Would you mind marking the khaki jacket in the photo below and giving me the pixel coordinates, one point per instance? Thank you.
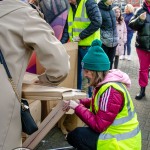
(22, 30)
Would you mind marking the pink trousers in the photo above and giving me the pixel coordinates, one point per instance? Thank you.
(144, 60)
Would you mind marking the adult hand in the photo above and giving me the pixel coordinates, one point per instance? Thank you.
(76, 39)
(143, 16)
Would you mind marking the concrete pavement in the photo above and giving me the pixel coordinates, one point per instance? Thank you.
(56, 139)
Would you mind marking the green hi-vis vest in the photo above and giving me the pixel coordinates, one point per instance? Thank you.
(79, 23)
(124, 132)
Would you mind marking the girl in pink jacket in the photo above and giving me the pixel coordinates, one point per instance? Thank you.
(122, 34)
(96, 67)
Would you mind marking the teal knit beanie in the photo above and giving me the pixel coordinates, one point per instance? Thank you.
(96, 59)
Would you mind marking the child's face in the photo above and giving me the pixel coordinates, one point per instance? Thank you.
(88, 74)
(117, 12)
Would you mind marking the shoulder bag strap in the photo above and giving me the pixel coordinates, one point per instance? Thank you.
(2, 61)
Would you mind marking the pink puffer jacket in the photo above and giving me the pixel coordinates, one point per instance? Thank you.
(111, 103)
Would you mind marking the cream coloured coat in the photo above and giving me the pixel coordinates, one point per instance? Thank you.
(122, 35)
(21, 31)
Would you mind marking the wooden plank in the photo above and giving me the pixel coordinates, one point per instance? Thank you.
(47, 124)
(66, 95)
(42, 98)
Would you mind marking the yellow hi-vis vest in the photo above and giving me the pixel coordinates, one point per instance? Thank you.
(124, 132)
(79, 23)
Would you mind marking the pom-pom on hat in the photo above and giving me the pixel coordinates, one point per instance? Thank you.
(96, 59)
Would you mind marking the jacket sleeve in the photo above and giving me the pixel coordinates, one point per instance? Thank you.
(111, 103)
(39, 36)
(65, 35)
(124, 32)
(86, 102)
(135, 22)
(94, 15)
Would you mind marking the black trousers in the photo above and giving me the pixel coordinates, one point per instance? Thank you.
(83, 138)
(116, 62)
(110, 51)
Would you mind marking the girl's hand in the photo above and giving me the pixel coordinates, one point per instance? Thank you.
(69, 104)
(73, 104)
(66, 106)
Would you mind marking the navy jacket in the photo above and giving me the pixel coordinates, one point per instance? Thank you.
(127, 18)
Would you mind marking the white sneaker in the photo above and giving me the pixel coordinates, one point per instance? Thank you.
(122, 57)
(128, 57)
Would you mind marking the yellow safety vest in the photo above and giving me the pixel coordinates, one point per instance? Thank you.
(124, 132)
(79, 23)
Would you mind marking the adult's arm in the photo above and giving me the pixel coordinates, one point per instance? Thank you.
(135, 22)
(38, 35)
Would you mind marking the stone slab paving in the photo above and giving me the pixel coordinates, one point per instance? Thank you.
(56, 139)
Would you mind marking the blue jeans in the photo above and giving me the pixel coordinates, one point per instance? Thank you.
(82, 50)
(127, 45)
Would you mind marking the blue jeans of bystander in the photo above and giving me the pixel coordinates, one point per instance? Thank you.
(127, 45)
(82, 50)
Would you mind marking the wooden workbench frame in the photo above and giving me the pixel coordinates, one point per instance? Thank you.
(52, 118)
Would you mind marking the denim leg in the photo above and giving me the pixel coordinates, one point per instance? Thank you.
(81, 53)
(90, 91)
(129, 38)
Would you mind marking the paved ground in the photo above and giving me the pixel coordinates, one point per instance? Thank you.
(56, 139)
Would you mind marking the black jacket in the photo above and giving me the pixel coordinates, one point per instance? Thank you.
(142, 28)
(94, 16)
(108, 28)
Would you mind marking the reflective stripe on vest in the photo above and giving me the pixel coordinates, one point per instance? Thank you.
(120, 136)
(130, 113)
(79, 23)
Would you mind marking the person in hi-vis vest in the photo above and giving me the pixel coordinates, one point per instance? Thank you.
(109, 115)
(82, 26)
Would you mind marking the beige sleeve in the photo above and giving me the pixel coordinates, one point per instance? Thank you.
(37, 34)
